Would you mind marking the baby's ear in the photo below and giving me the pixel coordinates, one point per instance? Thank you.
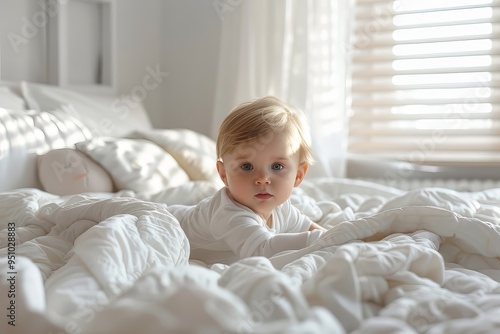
(301, 173)
(221, 169)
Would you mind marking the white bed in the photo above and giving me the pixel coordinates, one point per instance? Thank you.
(105, 256)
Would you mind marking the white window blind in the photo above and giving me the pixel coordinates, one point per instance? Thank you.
(425, 81)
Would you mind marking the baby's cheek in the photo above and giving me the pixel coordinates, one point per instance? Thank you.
(286, 175)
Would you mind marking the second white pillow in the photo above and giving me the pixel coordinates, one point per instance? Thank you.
(135, 164)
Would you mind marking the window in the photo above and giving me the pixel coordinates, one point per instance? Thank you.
(425, 80)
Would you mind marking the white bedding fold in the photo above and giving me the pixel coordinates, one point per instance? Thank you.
(96, 249)
(427, 260)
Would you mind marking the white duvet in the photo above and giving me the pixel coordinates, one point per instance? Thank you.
(424, 261)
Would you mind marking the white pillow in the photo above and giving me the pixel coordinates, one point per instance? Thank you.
(194, 151)
(135, 164)
(10, 99)
(67, 171)
(24, 135)
(103, 115)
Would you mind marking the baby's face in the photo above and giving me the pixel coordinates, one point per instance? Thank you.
(262, 174)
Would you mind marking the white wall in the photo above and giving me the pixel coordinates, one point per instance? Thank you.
(22, 43)
(190, 50)
(139, 52)
(178, 37)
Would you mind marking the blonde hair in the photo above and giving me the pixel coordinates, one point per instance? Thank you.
(251, 121)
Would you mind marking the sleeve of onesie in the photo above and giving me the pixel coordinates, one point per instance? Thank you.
(292, 219)
(244, 234)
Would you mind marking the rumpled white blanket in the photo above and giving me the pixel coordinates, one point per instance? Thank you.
(425, 261)
(80, 253)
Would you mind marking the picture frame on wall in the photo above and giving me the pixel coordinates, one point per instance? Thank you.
(81, 45)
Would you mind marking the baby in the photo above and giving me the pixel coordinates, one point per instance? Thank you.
(263, 152)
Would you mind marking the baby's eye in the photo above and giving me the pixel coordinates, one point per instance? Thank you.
(246, 167)
(277, 166)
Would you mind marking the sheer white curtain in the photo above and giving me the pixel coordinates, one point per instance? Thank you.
(296, 50)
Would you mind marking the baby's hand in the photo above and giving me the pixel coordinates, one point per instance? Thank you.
(315, 226)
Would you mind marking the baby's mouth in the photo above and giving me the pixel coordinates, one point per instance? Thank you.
(263, 196)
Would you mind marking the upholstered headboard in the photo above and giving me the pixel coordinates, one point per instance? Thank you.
(37, 118)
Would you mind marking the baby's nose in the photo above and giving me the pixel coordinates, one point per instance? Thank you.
(262, 178)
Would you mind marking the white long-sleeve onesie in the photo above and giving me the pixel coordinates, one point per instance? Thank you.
(221, 230)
